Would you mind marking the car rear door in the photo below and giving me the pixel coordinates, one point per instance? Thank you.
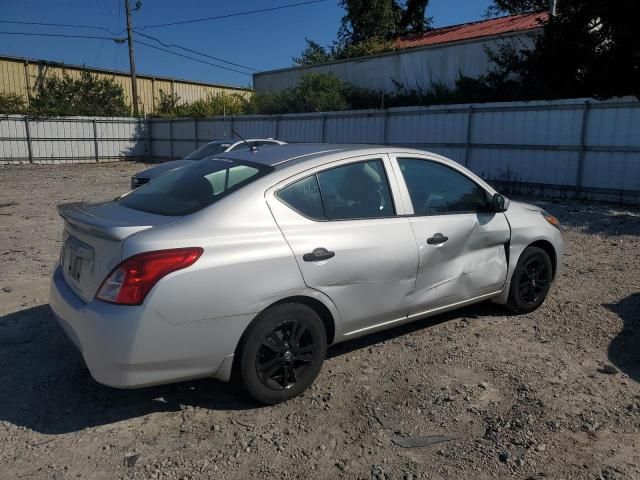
(341, 224)
(462, 243)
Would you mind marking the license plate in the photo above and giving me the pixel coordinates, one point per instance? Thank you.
(75, 257)
(74, 266)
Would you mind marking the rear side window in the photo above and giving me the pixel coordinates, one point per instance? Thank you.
(436, 189)
(349, 192)
(304, 197)
(189, 189)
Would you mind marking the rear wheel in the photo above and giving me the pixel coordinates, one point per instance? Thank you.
(282, 353)
(531, 281)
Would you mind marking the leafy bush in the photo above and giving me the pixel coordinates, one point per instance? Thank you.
(87, 95)
(221, 104)
(11, 103)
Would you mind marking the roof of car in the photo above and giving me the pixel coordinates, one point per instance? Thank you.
(233, 141)
(293, 153)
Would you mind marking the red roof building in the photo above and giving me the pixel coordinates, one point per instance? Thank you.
(417, 62)
(475, 30)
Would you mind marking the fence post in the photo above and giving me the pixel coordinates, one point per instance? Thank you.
(467, 150)
(385, 128)
(277, 133)
(196, 133)
(171, 137)
(28, 133)
(583, 145)
(95, 139)
(147, 139)
(324, 128)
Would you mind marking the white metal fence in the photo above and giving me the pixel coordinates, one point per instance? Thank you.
(72, 139)
(575, 148)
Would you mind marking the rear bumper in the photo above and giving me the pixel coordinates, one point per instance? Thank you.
(129, 347)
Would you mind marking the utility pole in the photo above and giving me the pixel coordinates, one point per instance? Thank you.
(132, 61)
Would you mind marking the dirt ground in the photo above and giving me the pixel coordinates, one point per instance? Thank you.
(551, 395)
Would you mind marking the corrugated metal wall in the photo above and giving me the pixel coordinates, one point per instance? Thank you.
(580, 148)
(414, 68)
(23, 77)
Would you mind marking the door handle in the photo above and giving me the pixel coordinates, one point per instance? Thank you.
(437, 239)
(318, 255)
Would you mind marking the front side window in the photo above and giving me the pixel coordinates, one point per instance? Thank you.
(189, 189)
(436, 189)
(349, 192)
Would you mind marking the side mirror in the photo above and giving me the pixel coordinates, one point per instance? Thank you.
(500, 203)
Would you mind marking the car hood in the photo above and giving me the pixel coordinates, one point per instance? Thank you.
(163, 168)
(527, 206)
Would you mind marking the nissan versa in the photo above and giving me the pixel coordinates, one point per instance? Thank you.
(249, 264)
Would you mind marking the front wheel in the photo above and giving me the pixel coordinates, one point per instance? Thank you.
(531, 281)
(282, 353)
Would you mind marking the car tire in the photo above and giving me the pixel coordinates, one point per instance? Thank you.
(531, 281)
(281, 353)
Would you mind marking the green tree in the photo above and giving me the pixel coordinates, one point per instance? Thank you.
(590, 49)
(314, 54)
(87, 95)
(368, 27)
(514, 7)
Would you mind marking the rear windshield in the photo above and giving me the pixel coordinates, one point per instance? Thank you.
(189, 189)
(207, 151)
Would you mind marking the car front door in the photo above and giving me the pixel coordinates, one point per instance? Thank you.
(341, 224)
(462, 242)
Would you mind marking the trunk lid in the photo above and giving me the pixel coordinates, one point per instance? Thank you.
(92, 241)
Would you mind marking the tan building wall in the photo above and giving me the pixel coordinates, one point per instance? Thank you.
(22, 76)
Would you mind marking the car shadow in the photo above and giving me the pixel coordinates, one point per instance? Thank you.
(479, 310)
(624, 350)
(46, 387)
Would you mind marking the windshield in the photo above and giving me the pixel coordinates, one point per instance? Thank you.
(189, 189)
(208, 150)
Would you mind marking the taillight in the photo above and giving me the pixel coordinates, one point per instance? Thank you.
(131, 281)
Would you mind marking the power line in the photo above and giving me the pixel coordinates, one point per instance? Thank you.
(249, 12)
(191, 58)
(122, 40)
(66, 25)
(62, 35)
(169, 45)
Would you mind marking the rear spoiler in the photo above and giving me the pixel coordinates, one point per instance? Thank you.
(78, 215)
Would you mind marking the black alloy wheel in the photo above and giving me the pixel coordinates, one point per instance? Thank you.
(531, 280)
(281, 353)
(534, 280)
(285, 355)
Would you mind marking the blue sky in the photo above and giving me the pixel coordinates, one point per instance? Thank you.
(262, 41)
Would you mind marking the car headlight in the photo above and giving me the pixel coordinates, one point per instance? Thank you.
(551, 219)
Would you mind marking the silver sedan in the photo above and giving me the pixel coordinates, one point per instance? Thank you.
(250, 264)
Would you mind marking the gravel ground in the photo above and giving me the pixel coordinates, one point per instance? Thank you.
(554, 394)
